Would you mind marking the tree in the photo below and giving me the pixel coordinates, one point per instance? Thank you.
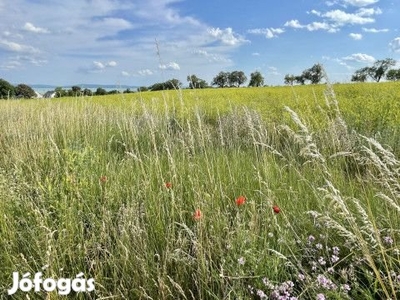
(112, 92)
(256, 79)
(236, 78)
(289, 79)
(221, 80)
(60, 92)
(7, 90)
(100, 92)
(360, 75)
(157, 87)
(196, 83)
(87, 92)
(24, 91)
(300, 79)
(142, 89)
(172, 84)
(380, 67)
(376, 72)
(314, 74)
(393, 75)
(76, 90)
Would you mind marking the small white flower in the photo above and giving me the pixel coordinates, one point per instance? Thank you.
(241, 261)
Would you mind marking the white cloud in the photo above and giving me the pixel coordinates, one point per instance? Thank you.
(111, 64)
(360, 57)
(315, 12)
(269, 33)
(312, 26)
(341, 18)
(15, 47)
(83, 36)
(333, 20)
(320, 26)
(97, 65)
(293, 24)
(113, 24)
(10, 65)
(374, 30)
(30, 27)
(125, 74)
(145, 72)
(200, 52)
(211, 57)
(273, 71)
(360, 3)
(161, 11)
(367, 12)
(227, 36)
(170, 66)
(37, 61)
(356, 36)
(255, 54)
(22, 61)
(395, 45)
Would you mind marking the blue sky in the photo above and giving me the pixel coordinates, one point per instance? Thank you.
(133, 42)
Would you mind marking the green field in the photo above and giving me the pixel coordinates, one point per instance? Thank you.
(141, 192)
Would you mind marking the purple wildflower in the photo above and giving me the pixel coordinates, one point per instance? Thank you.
(334, 258)
(261, 294)
(388, 240)
(335, 250)
(311, 239)
(320, 297)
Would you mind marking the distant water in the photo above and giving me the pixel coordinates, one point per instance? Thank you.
(43, 89)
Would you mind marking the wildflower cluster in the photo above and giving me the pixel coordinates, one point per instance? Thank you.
(277, 291)
(321, 268)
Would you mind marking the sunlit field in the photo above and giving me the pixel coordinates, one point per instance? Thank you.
(242, 193)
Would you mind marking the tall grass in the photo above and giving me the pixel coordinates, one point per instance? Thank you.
(113, 190)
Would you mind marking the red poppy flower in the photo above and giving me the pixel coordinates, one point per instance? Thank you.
(276, 209)
(197, 214)
(168, 185)
(240, 200)
(103, 179)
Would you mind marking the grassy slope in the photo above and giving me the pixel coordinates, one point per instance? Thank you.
(138, 239)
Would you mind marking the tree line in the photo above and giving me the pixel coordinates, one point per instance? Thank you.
(313, 75)
(380, 69)
(221, 80)
(8, 91)
(75, 91)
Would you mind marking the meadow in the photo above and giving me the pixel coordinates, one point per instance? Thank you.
(240, 193)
